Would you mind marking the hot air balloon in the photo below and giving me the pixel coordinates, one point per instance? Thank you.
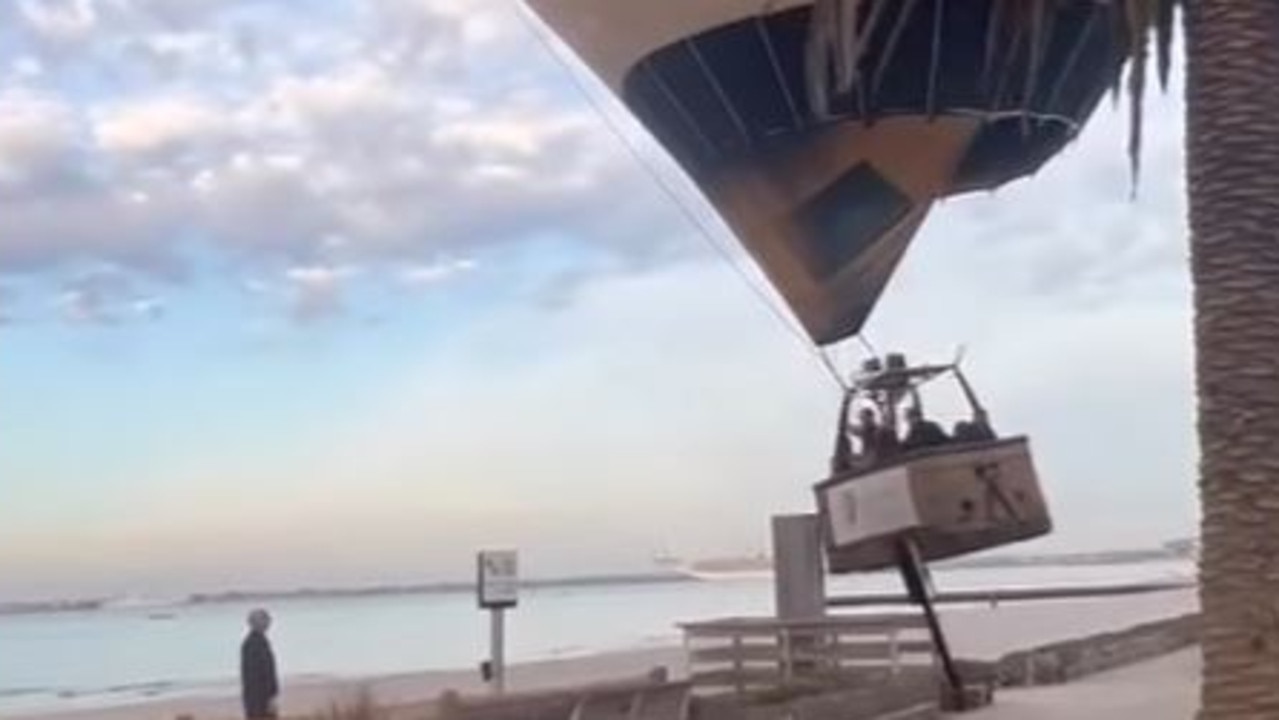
(823, 132)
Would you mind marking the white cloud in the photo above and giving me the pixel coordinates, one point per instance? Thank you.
(412, 34)
(158, 125)
(315, 291)
(106, 297)
(172, 13)
(148, 308)
(434, 273)
(353, 98)
(23, 69)
(318, 140)
(60, 20)
(37, 138)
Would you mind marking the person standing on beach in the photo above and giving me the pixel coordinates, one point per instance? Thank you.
(258, 682)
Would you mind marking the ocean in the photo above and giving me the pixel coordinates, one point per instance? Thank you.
(129, 654)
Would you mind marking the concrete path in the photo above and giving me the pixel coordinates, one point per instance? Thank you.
(1166, 688)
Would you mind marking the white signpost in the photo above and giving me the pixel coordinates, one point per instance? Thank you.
(497, 588)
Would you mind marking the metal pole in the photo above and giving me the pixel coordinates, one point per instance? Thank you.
(497, 650)
(919, 586)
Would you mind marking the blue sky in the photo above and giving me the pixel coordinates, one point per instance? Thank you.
(340, 296)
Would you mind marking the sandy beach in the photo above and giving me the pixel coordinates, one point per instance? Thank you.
(1166, 688)
(311, 696)
(975, 632)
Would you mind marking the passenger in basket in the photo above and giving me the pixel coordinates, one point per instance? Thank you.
(922, 432)
(878, 442)
(976, 430)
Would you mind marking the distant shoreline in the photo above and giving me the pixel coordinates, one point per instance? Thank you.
(1120, 557)
(1115, 557)
(240, 596)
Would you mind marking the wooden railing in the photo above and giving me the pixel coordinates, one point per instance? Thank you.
(748, 654)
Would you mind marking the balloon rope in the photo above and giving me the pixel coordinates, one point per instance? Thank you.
(698, 224)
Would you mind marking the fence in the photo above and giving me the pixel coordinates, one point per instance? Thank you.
(749, 654)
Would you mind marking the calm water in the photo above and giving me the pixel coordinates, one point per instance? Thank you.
(121, 655)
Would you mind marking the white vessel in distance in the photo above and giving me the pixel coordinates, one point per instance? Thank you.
(743, 567)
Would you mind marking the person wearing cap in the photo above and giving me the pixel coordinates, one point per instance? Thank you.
(258, 682)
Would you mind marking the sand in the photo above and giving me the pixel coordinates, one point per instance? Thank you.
(979, 633)
(307, 697)
(1166, 688)
(989, 633)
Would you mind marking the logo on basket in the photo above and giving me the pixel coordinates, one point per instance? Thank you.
(996, 500)
(850, 506)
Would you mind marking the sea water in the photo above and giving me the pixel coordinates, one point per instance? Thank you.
(116, 655)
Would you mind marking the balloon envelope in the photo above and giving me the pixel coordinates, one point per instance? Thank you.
(824, 134)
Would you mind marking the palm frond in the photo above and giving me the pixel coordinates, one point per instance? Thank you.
(1164, 19)
(1140, 21)
(1017, 38)
(1118, 13)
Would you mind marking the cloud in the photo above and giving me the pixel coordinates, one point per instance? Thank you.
(434, 273)
(38, 143)
(424, 129)
(391, 124)
(59, 20)
(413, 33)
(106, 297)
(22, 70)
(153, 126)
(315, 292)
(172, 13)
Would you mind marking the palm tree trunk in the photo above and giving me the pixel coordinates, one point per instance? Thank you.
(1232, 97)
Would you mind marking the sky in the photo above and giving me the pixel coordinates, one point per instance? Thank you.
(341, 296)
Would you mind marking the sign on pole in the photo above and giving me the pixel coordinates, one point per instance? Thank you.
(498, 583)
(497, 588)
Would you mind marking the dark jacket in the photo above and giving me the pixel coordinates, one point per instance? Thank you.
(924, 433)
(884, 443)
(258, 682)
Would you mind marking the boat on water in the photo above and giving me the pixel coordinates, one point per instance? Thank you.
(744, 567)
(155, 605)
